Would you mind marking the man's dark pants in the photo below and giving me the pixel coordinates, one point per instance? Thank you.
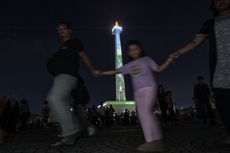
(205, 110)
(223, 105)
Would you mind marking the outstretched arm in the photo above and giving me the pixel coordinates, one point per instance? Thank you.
(86, 59)
(111, 72)
(165, 65)
(196, 42)
(124, 70)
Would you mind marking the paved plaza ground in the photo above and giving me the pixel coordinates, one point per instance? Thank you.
(186, 137)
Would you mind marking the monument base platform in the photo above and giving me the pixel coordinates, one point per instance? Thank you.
(120, 106)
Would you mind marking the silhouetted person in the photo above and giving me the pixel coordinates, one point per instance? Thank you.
(202, 96)
(107, 112)
(38, 123)
(111, 111)
(11, 113)
(133, 118)
(162, 102)
(171, 105)
(45, 114)
(94, 115)
(24, 114)
(126, 117)
(101, 112)
(117, 118)
(16, 115)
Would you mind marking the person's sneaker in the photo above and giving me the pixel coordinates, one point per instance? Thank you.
(227, 141)
(91, 130)
(156, 146)
(62, 142)
(59, 136)
(66, 141)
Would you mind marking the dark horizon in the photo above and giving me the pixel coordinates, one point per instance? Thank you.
(28, 38)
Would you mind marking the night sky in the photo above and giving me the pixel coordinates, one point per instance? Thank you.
(28, 37)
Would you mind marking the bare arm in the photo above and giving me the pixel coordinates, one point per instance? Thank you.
(196, 42)
(85, 57)
(111, 72)
(165, 65)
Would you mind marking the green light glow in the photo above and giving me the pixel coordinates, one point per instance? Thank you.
(120, 82)
(120, 106)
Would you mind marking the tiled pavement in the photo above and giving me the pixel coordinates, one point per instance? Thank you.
(187, 137)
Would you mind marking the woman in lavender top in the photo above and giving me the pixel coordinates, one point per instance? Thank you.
(141, 69)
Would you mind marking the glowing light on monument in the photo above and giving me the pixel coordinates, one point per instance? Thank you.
(120, 83)
(120, 104)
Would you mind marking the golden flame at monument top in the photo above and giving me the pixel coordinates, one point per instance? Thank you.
(116, 24)
(116, 28)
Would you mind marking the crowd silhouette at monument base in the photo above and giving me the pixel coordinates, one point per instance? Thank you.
(16, 117)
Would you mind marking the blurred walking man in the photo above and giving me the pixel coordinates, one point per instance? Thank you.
(64, 66)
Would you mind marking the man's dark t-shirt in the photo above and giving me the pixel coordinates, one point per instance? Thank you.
(66, 60)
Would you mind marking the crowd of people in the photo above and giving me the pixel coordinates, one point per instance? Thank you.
(18, 117)
(107, 117)
(14, 115)
(166, 104)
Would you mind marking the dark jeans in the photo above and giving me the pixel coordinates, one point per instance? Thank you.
(223, 105)
(24, 120)
(205, 110)
(172, 114)
(163, 109)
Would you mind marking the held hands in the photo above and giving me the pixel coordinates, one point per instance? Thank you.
(97, 73)
(175, 55)
(172, 57)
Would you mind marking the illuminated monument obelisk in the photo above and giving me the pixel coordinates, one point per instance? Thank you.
(120, 83)
(121, 103)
